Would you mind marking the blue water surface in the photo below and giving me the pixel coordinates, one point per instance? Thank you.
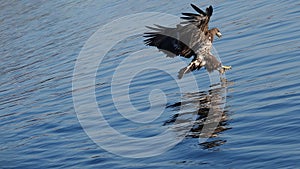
(40, 44)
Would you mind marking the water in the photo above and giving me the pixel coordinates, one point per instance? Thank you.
(40, 42)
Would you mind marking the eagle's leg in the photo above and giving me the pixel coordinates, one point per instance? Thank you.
(195, 64)
(224, 68)
(184, 71)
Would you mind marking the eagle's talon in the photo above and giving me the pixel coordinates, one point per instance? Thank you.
(226, 67)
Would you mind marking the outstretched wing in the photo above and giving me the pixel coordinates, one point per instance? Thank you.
(183, 40)
(172, 41)
(200, 20)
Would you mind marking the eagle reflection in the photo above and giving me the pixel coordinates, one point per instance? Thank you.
(210, 117)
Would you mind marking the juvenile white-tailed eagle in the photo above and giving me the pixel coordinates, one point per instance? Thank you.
(190, 38)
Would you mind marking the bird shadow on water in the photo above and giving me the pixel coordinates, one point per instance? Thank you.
(209, 119)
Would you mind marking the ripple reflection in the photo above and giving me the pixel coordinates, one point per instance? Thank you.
(203, 102)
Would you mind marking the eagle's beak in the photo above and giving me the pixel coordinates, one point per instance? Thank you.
(219, 34)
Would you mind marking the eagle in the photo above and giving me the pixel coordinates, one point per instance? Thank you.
(190, 38)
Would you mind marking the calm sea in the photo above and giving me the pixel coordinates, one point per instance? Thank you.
(47, 123)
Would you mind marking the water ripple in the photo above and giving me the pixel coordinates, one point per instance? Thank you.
(40, 42)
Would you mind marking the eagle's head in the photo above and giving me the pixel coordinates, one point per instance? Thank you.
(217, 32)
(213, 32)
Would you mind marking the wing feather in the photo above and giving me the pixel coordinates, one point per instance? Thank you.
(201, 19)
(198, 9)
(171, 41)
